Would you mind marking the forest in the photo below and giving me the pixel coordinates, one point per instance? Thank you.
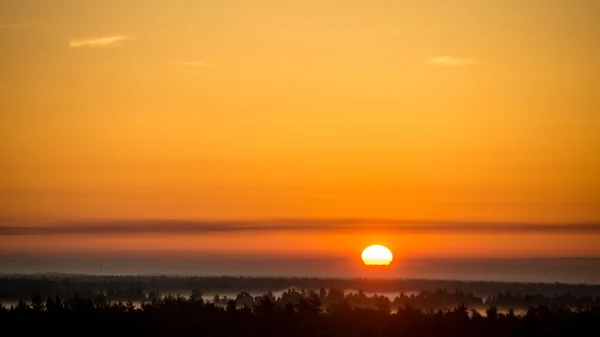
(79, 305)
(295, 313)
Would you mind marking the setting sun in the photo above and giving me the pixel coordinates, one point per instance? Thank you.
(377, 255)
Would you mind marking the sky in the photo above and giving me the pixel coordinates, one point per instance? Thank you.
(118, 114)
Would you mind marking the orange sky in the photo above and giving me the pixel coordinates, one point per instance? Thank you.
(419, 110)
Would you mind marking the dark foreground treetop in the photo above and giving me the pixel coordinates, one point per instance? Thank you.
(265, 317)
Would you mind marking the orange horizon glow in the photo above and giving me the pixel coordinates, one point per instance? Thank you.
(432, 111)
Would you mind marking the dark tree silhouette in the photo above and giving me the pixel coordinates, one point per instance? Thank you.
(273, 316)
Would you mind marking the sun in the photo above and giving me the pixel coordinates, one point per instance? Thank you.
(377, 255)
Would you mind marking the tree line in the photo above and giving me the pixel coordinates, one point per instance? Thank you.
(295, 313)
(432, 294)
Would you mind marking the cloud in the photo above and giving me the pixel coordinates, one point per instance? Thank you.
(112, 227)
(197, 64)
(449, 61)
(104, 41)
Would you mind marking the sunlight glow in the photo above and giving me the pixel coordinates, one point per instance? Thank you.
(377, 255)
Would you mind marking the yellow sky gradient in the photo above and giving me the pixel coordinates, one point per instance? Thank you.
(426, 110)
